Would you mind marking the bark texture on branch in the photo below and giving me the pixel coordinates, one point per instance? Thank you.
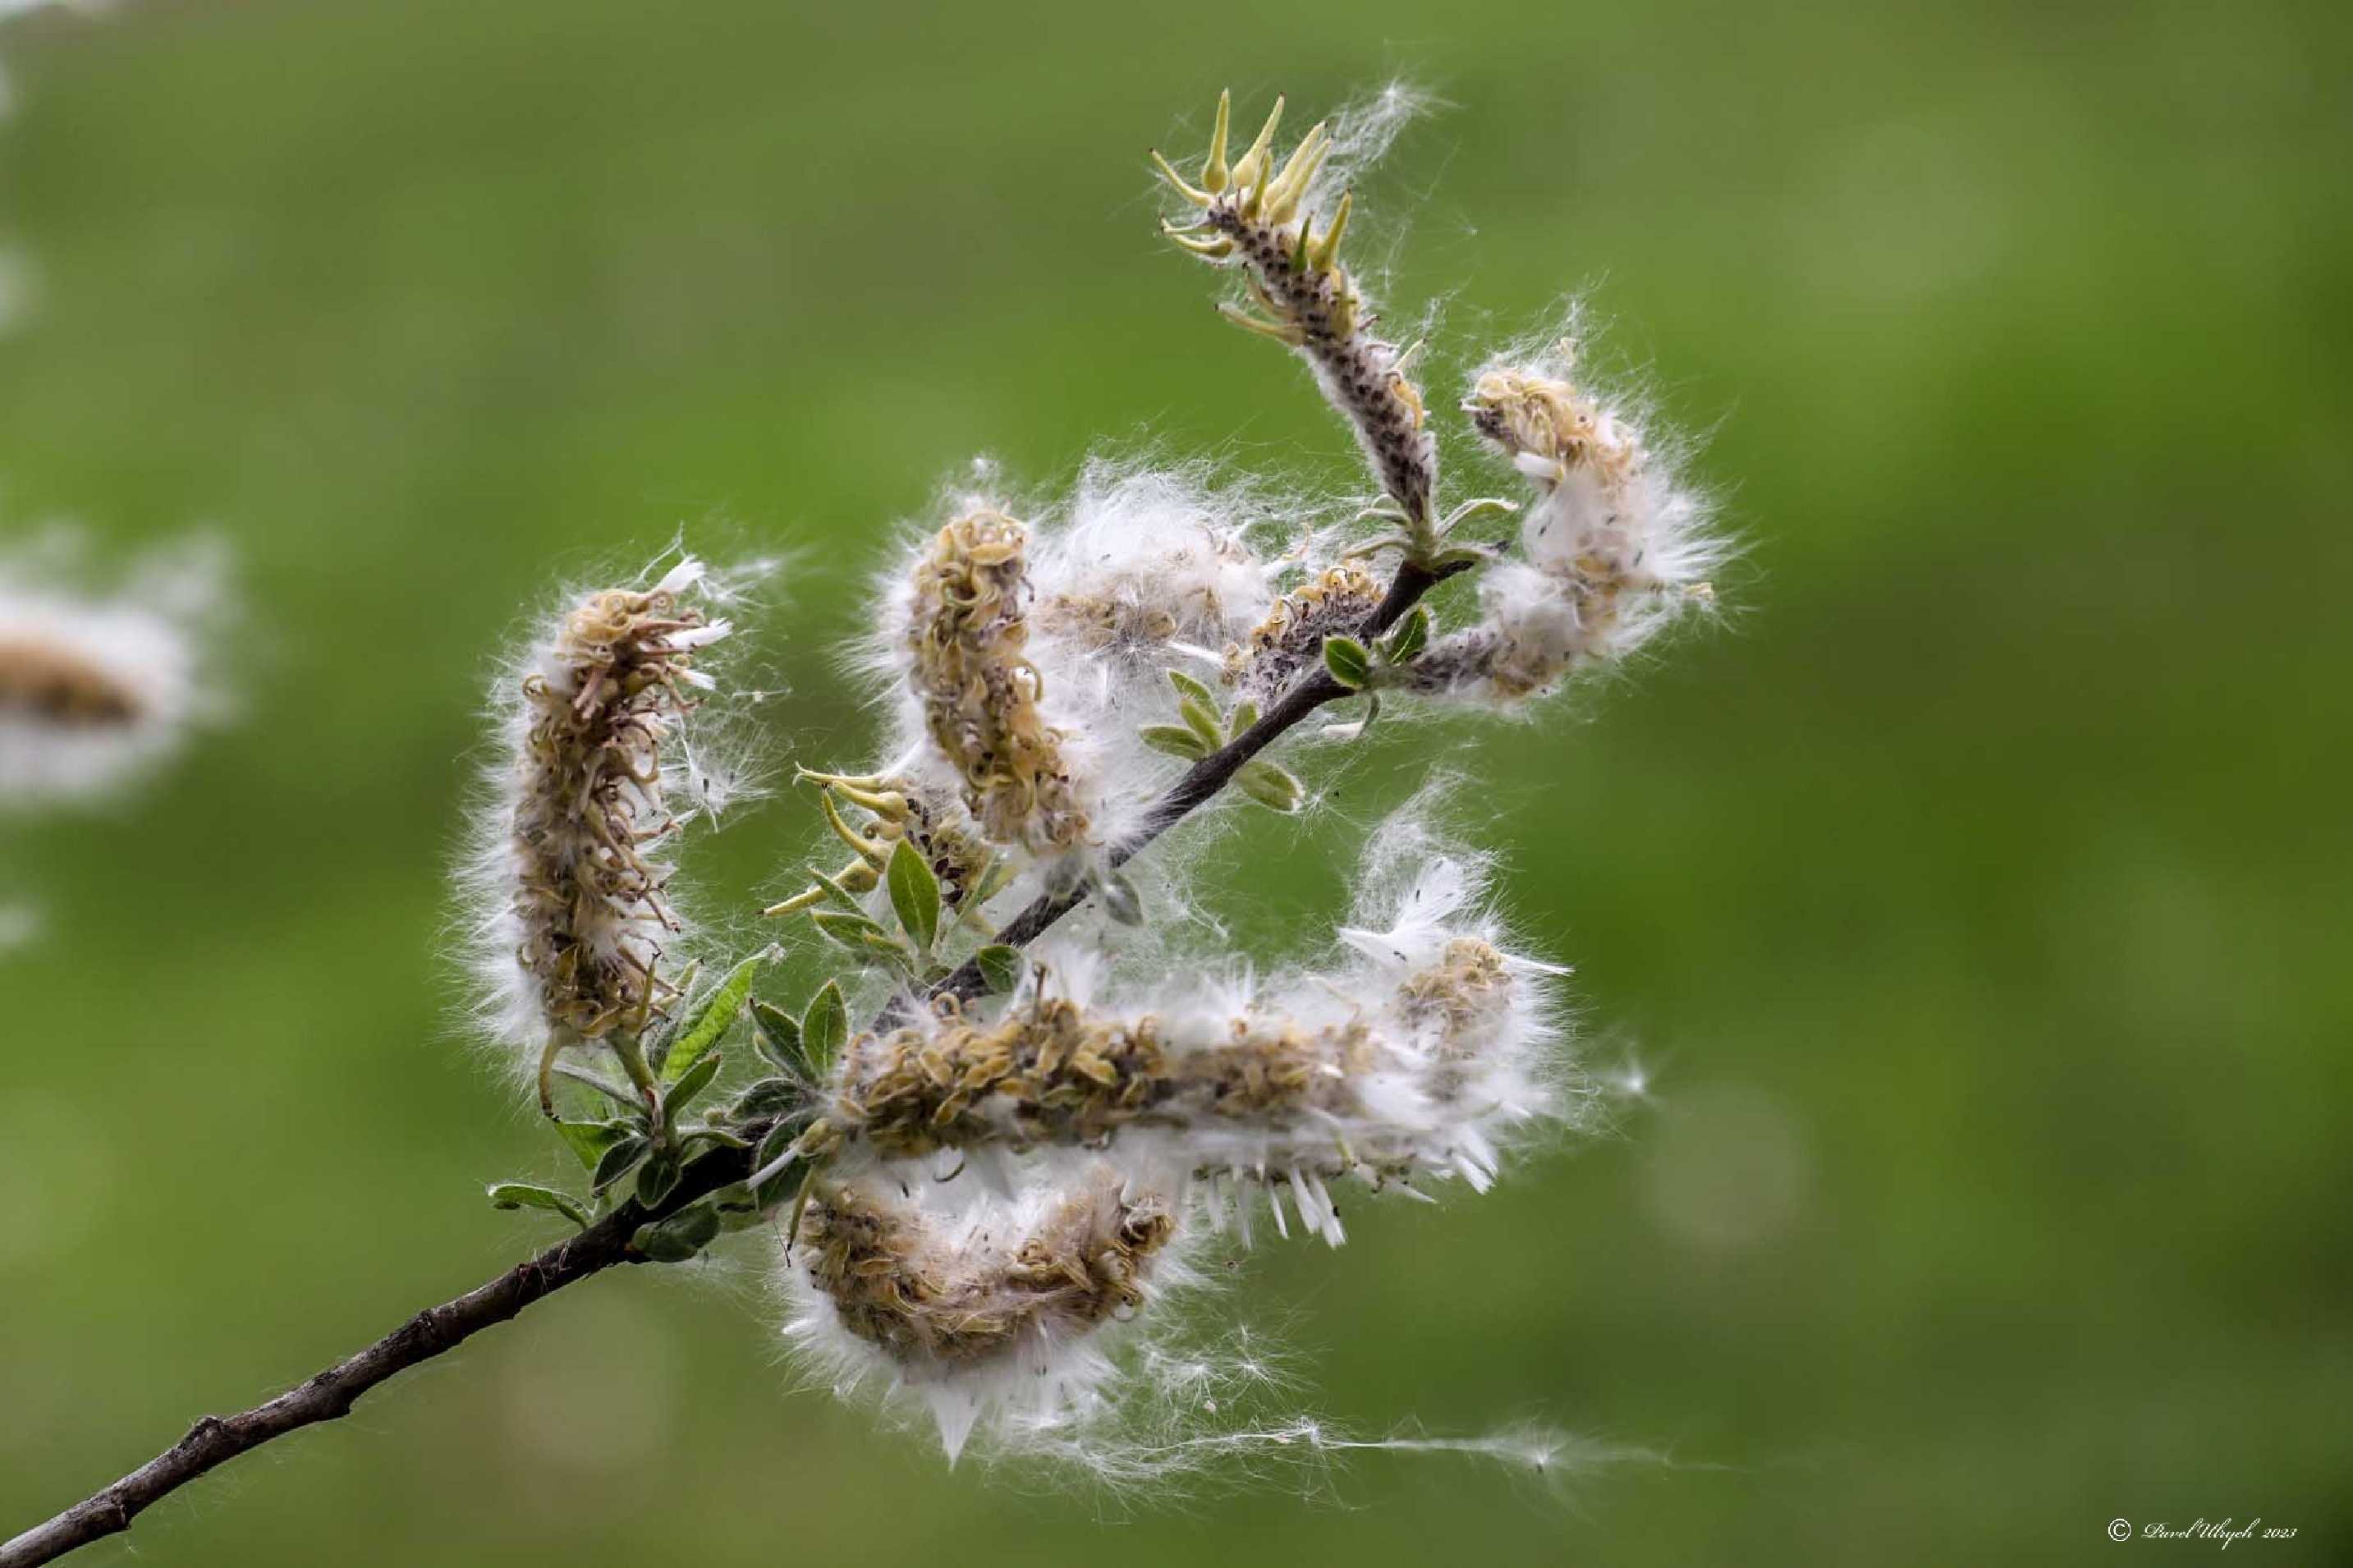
(215, 1439)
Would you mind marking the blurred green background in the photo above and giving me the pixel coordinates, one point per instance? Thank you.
(1976, 899)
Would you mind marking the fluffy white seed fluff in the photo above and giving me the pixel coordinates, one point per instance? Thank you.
(99, 687)
(1419, 1057)
(1143, 564)
(1002, 1191)
(1048, 1327)
(1030, 710)
(1160, 558)
(1004, 1314)
(1614, 546)
(9, 8)
(601, 761)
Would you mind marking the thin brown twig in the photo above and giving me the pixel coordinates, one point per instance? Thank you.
(216, 1439)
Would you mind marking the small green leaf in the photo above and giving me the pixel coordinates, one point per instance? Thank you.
(1202, 717)
(589, 1140)
(691, 1083)
(1188, 687)
(862, 935)
(825, 1027)
(992, 882)
(847, 928)
(780, 1036)
(840, 892)
(656, 1176)
(1066, 877)
(1270, 785)
(627, 1098)
(522, 1194)
(679, 1237)
(1485, 506)
(737, 1207)
(772, 1148)
(1372, 547)
(616, 1160)
(1355, 727)
(1000, 967)
(1412, 635)
(708, 1020)
(653, 1046)
(1244, 715)
(914, 894)
(769, 1097)
(1464, 555)
(1346, 657)
(1121, 901)
(1176, 740)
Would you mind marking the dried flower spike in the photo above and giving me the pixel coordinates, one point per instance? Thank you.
(968, 636)
(50, 685)
(1261, 217)
(1413, 1063)
(94, 689)
(981, 1312)
(1611, 550)
(583, 919)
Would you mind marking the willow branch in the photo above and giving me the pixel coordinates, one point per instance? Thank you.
(214, 1440)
